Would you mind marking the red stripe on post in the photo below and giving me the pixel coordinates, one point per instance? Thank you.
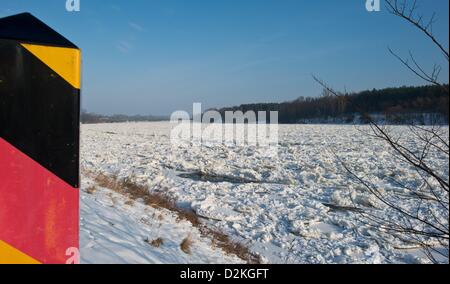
(39, 212)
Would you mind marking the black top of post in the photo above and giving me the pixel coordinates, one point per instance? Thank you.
(29, 29)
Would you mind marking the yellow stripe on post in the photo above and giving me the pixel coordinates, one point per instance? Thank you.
(10, 255)
(66, 62)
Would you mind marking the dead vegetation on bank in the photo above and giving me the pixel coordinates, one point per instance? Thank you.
(186, 245)
(158, 200)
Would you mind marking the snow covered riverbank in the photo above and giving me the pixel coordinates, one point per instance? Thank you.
(296, 208)
(117, 230)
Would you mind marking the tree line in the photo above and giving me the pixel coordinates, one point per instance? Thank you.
(90, 118)
(396, 105)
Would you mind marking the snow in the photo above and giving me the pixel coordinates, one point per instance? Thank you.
(114, 231)
(298, 207)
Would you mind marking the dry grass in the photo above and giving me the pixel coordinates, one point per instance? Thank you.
(156, 243)
(91, 190)
(229, 246)
(186, 244)
(157, 200)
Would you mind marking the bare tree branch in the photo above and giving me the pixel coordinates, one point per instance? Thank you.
(425, 223)
(400, 10)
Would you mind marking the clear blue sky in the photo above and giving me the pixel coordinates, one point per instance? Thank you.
(157, 56)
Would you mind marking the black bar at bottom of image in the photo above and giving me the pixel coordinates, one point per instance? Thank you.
(231, 273)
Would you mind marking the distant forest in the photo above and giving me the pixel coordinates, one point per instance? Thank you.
(89, 118)
(423, 105)
(396, 105)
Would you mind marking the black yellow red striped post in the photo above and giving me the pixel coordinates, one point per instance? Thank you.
(39, 142)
